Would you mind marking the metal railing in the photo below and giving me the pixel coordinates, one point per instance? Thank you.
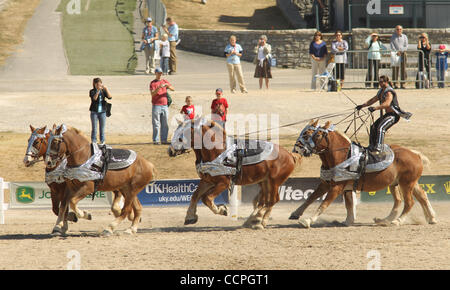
(356, 70)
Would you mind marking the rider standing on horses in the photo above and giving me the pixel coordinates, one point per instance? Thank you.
(387, 98)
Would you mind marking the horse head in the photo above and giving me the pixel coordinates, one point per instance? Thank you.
(37, 145)
(56, 149)
(198, 133)
(313, 139)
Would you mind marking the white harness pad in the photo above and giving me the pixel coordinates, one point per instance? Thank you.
(348, 170)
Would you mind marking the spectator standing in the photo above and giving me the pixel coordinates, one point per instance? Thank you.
(441, 65)
(165, 53)
(98, 95)
(339, 48)
(219, 108)
(424, 57)
(399, 45)
(160, 108)
(318, 52)
(172, 32)
(233, 52)
(149, 35)
(375, 47)
(188, 110)
(262, 70)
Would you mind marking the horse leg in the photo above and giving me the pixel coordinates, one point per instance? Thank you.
(350, 206)
(321, 189)
(406, 190)
(115, 207)
(137, 209)
(208, 199)
(127, 208)
(258, 204)
(395, 209)
(191, 216)
(73, 202)
(422, 198)
(334, 192)
(274, 197)
(61, 225)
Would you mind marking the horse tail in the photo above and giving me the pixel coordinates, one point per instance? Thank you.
(425, 161)
(297, 158)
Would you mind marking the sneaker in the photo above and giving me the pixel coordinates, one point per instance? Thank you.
(172, 73)
(244, 91)
(156, 143)
(233, 91)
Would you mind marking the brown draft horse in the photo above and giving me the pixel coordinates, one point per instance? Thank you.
(269, 174)
(405, 171)
(37, 147)
(74, 146)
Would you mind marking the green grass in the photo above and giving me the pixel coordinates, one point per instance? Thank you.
(97, 42)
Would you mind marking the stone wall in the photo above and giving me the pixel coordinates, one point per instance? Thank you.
(291, 47)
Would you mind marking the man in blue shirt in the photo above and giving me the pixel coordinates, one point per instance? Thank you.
(233, 53)
(172, 32)
(149, 35)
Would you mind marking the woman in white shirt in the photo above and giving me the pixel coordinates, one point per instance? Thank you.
(339, 48)
(373, 58)
(261, 60)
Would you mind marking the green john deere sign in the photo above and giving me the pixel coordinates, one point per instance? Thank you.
(437, 188)
(25, 194)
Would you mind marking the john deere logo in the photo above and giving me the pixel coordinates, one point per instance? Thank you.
(25, 194)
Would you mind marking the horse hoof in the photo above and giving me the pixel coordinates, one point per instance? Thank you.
(396, 222)
(106, 233)
(294, 217)
(129, 232)
(258, 227)
(190, 221)
(57, 232)
(224, 209)
(72, 217)
(432, 221)
(306, 223)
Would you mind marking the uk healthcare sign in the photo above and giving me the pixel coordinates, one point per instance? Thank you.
(173, 192)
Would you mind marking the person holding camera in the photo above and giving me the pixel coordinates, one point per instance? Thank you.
(160, 107)
(233, 53)
(424, 57)
(149, 35)
(98, 95)
(262, 70)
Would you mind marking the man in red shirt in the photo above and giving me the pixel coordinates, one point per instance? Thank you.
(219, 108)
(160, 109)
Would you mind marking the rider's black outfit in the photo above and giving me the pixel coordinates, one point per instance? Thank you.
(386, 121)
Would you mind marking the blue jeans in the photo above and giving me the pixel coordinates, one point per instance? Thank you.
(165, 64)
(440, 77)
(101, 118)
(160, 122)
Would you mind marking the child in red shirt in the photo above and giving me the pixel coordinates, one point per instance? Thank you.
(219, 108)
(188, 110)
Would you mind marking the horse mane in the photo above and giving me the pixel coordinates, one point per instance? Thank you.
(343, 136)
(77, 131)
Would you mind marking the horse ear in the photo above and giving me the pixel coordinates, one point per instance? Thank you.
(315, 123)
(179, 122)
(327, 125)
(32, 129)
(58, 131)
(54, 126)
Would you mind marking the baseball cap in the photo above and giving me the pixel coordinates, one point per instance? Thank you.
(149, 19)
(441, 46)
(219, 90)
(158, 70)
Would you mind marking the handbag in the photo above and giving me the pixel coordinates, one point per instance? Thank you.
(169, 99)
(108, 109)
(395, 59)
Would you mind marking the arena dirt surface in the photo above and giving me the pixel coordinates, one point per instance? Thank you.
(162, 242)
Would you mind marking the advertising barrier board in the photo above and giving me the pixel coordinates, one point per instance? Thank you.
(173, 192)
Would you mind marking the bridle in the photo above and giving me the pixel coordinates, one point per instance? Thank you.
(32, 151)
(309, 144)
